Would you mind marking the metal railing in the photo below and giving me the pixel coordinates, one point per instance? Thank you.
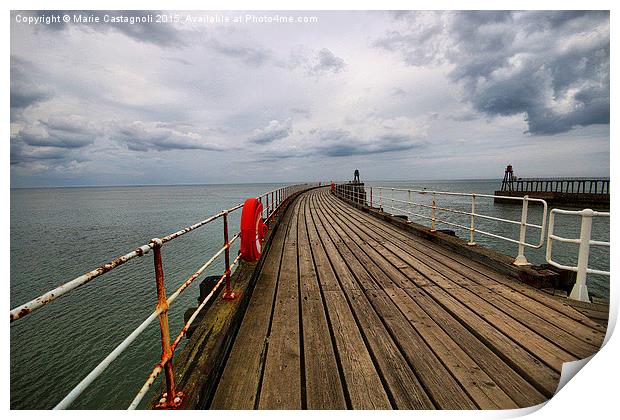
(273, 199)
(360, 196)
(580, 290)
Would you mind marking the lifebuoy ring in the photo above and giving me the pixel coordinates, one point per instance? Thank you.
(253, 230)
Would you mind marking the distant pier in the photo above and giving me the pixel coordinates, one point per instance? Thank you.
(569, 191)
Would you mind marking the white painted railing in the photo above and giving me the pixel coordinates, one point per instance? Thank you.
(380, 195)
(580, 290)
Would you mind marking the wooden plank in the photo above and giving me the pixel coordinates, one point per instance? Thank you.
(362, 381)
(545, 379)
(592, 338)
(281, 384)
(439, 383)
(404, 388)
(545, 301)
(548, 352)
(597, 315)
(359, 263)
(365, 281)
(477, 383)
(421, 308)
(561, 338)
(482, 388)
(323, 389)
(441, 386)
(484, 392)
(363, 385)
(238, 385)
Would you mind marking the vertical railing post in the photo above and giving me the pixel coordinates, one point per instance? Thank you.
(371, 197)
(521, 260)
(380, 198)
(162, 306)
(580, 290)
(472, 226)
(273, 205)
(433, 214)
(267, 207)
(228, 293)
(549, 234)
(409, 204)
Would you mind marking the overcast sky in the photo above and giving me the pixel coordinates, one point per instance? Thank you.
(420, 95)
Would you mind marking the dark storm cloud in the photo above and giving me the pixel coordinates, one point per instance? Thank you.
(163, 34)
(275, 130)
(145, 136)
(551, 67)
(25, 91)
(343, 143)
(21, 154)
(55, 143)
(337, 143)
(59, 132)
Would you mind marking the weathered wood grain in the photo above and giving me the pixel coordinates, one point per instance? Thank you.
(351, 311)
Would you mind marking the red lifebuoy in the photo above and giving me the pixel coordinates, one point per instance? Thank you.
(333, 186)
(253, 230)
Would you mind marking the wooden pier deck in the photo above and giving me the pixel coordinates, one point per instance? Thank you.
(350, 311)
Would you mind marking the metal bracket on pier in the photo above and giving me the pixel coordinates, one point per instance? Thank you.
(163, 403)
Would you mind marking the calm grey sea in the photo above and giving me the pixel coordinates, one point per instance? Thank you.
(58, 234)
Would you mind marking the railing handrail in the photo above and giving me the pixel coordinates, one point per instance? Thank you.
(36, 303)
(579, 178)
(523, 223)
(172, 399)
(580, 290)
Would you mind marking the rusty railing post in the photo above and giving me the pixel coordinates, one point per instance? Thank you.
(228, 293)
(162, 305)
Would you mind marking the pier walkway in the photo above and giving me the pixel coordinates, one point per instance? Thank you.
(350, 311)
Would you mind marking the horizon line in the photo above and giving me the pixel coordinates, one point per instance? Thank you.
(498, 179)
